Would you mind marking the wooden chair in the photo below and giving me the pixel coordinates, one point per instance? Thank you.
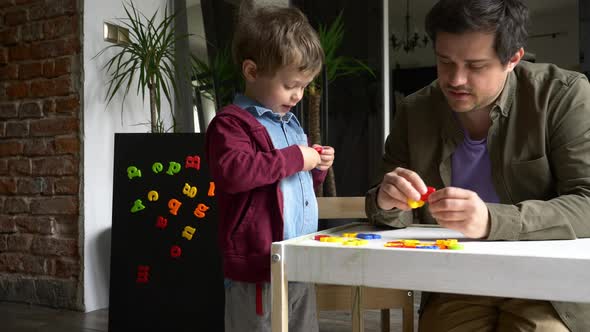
(360, 298)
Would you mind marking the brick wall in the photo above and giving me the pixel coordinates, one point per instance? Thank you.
(40, 152)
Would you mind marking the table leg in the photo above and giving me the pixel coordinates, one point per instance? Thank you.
(358, 323)
(279, 290)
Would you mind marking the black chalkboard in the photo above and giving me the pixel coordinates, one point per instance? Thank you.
(165, 263)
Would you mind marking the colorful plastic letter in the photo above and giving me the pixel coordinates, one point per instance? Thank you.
(429, 190)
(200, 210)
(355, 242)
(193, 162)
(174, 205)
(143, 274)
(153, 196)
(173, 168)
(211, 192)
(188, 232)
(423, 198)
(137, 206)
(133, 172)
(189, 191)
(161, 222)
(452, 244)
(337, 239)
(415, 204)
(157, 167)
(368, 236)
(175, 251)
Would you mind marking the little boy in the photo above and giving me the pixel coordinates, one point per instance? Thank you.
(262, 166)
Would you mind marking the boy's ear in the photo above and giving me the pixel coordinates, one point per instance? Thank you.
(249, 70)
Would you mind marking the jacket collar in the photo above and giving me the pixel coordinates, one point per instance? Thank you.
(504, 101)
(451, 130)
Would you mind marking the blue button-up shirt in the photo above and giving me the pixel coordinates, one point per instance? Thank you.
(300, 209)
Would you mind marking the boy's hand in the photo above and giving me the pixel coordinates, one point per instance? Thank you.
(311, 158)
(326, 156)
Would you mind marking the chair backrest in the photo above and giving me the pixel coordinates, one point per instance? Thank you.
(341, 207)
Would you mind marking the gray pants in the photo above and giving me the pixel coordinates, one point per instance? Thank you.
(241, 315)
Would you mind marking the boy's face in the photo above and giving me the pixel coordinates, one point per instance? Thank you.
(280, 92)
(470, 73)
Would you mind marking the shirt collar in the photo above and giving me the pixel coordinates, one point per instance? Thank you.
(256, 109)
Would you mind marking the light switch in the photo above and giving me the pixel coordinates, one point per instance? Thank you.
(115, 34)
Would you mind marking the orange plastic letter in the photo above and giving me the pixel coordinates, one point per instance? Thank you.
(200, 210)
(174, 205)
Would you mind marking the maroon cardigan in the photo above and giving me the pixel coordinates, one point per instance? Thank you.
(247, 169)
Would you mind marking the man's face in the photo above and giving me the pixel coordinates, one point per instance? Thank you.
(281, 91)
(469, 71)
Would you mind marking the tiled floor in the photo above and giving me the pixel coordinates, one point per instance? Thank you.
(16, 317)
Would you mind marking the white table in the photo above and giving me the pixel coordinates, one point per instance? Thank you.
(545, 270)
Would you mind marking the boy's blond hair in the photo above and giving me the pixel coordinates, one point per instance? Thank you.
(275, 37)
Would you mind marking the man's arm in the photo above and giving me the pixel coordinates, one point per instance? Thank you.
(566, 216)
(396, 155)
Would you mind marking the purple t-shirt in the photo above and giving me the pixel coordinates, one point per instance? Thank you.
(471, 169)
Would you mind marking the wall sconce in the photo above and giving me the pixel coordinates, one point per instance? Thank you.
(115, 34)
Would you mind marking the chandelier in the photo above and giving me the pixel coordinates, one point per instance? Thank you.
(409, 41)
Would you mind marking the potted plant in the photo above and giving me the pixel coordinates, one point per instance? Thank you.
(219, 80)
(148, 57)
(336, 66)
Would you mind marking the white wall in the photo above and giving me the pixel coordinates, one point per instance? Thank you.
(563, 50)
(101, 122)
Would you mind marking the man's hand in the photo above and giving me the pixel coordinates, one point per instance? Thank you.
(461, 210)
(327, 155)
(397, 187)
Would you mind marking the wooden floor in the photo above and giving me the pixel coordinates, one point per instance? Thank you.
(16, 317)
(26, 318)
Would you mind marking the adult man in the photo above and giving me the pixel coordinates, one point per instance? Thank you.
(508, 145)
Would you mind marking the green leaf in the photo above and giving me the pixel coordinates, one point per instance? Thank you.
(147, 59)
(331, 38)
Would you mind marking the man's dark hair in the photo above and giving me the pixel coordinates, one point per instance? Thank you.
(507, 19)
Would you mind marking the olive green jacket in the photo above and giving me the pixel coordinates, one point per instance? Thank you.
(539, 148)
